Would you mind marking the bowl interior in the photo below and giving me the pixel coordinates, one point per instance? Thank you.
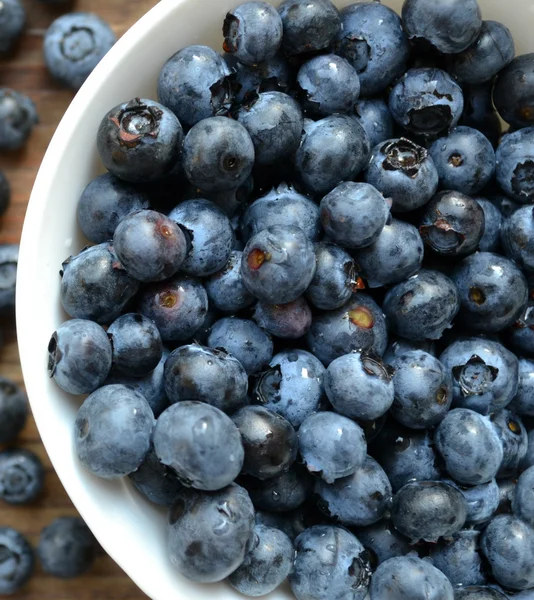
(130, 529)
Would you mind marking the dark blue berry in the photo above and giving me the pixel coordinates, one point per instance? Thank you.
(226, 290)
(517, 236)
(18, 116)
(383, 541)
(493, 220)
(13, 410)
(16, 562)
(21, 476)
(285, 321)
(512, 434)
(512, 94)
(482, 501)
(74, 44)
(479, 111)
(515, 164)
(523, 403)
(375, 118)
(12, 21)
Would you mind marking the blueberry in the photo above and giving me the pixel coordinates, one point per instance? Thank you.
(523, 403)
(479, 111)
(200, 443)
(283, 205)
(16, 562)
(516, 235)
(151, 386)
(458, 558)
(404, 172)
(95, 285)
(113, 430)
(423, 390)
(465, 160)
(278, 264)
(104, 203)
(331, 564)
(267, 563)
(328, 84)
(150, 246)
(333, 149)
(383, 541)
(482, 501)
(336, 277)
(155, 481)
(79, 356)
(405, 455)
(218, 154)
(274, 122)
(479, 592)
(506, 494)
(211, 236)
(13, 410)
(354, 214)
(285, 321)
(269, 440)
(358, 500)
(512, 94)
(522, 500)
(21, 476)
(359, 385)
(136, 344)
(308, 25)
(470, 446)
(273, 75)
(5, 193)
(209, 533)
(200, 374)
(282, 493)
(398, 345)
(18, 116)
(225, 288)
(9, 256)
(492, 291)
(493, 220)
(513, 436)
(293, 386)
(12, 21)
(484, 373)
(451, 27)
(428, 510)
(373, 41)
(528, 459)
(508, 545)
(423, 306)
(357, 325)
(331, 445)
(244, 340)
(396, 254)
(515, 164)
(194, 83)
(426, 101)
(67, 548)
(409, 577)
(490, 53)
(253, 32)
(375, 118)
(504, 203)
(178, 307)
(74, 44)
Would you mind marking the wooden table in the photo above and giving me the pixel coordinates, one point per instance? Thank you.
(24, 71)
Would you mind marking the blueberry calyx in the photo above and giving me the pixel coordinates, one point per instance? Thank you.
(474, 376)
(523, 179)
(441, 236)
(361, 317)
(271, 378)
(136, 121)
(375, 366)
(526, 320)
(430, 120)
(403, 155)
(361, 569)
(230, 33)
(74, 46)
(354, 281)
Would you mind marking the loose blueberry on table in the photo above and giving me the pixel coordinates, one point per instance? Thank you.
(345, 397)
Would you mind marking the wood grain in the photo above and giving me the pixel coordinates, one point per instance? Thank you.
(25, 71)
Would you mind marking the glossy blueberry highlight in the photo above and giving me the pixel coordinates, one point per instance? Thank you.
(278, 264)
(74, 44)
(188, 438)
(403, 171)
(252, 32)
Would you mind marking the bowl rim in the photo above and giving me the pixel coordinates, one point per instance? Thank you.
(29, 250)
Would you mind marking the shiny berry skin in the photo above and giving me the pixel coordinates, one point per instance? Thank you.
(286, 321)
(155, 481)
(423, 306)
(512, 94)
(452, 224)
(269, 440)
(225, 288)
(150, 245)
(278, 264)
(140, 141)
(517, 236)
(375, 118)
(492, 291)
(252, 32)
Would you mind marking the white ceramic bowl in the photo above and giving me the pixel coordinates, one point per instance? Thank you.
(130, 529)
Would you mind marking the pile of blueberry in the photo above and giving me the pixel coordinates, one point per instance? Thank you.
(305, 325)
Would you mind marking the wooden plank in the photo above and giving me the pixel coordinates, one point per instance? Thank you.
(24, 70)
